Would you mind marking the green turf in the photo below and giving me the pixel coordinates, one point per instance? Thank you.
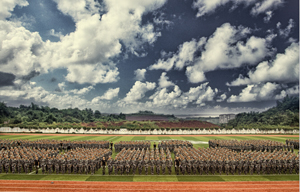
(66, 177)
(22, 177)
(110, 178)
(152, 178)
(98, 175)
(155, 178)
(200, 178)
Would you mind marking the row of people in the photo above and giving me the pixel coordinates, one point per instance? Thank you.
(172, 144)
(79, 160)
(152, 160)
(17, 159)
(53, 144)
(223, 160)
(131, 145)
(294, 142)
(254, 145)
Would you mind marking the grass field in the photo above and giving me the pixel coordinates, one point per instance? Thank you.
(199, 141)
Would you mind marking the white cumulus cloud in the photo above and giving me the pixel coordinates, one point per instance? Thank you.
(82, 91)
(258, 6)
(286, 31)
(284, 68)
(7, 6)
(140, 74)
(164, 82)
(138, 91)
(257, 92)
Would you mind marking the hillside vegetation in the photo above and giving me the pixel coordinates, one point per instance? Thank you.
(284, 115)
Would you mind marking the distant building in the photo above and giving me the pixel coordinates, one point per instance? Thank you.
(224, 118)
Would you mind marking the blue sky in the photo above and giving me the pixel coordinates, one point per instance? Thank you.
(176, 57)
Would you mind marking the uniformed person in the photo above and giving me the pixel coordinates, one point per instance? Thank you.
(177, 165)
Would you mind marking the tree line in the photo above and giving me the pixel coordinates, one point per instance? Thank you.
(34, 114)
(284, 115)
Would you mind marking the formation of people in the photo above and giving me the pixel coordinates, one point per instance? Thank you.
(172, 144)
(224, 160)
(155, 161)
(79, 160)
(131, 145)
(254, 145)
(53, 144)
(138, 157)
(294, 142)
(18, 159)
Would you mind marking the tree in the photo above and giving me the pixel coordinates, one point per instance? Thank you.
(4, 112)
(97, 114)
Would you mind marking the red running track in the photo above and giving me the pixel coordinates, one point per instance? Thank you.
(50, 186)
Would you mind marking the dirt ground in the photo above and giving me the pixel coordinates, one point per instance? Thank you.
(229, 135)
(49, 186)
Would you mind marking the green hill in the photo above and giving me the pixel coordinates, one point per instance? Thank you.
(284, 115)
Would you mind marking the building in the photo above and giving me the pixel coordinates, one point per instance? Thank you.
(224, 118)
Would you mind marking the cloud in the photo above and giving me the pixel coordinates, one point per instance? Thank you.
(164, 82)
(103, 31)
(29, 92)
(269, 15)
(258, 6)
(138, 91)
(222, 97)
(178, 99)
(140, 74)
(163, 98)
(108, 95)
(82, 91)
(53, 33)
(258, 92)
(6, 79)
(61, 87)
(284, 68)
(290, 91)
(92, 74)
(7, 6)
(285, 32)
(223, 50)
(20, 50)
(266, 5)
(78, 9)
(184, 56)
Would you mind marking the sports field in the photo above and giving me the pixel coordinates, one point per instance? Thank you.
(197, 140)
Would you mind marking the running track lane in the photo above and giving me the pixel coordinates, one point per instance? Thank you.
(88, 134)
(50, 186)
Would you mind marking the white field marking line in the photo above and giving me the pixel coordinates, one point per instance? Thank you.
(113, 137)
(34, 171)
(123, 189)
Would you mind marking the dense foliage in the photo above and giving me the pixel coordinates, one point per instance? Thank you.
(37, 115)
(284, 115)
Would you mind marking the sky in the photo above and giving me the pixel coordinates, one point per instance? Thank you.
(167, 56)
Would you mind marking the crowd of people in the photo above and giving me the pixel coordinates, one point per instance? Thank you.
(224, 160)
(78, 160)
(87, 157)
(294, 142)
(254, 145)
(172, 144)
(53, 144)
(157, 161)
(132, 145)
(16, 159)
